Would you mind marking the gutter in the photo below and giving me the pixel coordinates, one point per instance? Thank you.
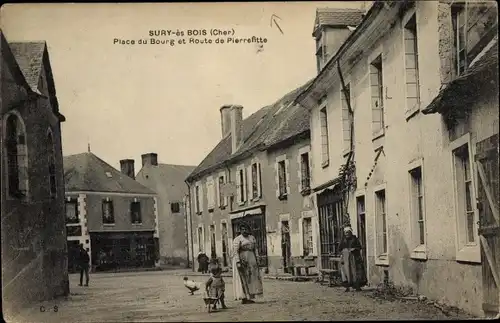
(190, 231)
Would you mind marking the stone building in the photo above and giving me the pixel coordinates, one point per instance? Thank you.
(111, 214)
(406, 182)
(168, 181)
(258, 173)
(33, 238)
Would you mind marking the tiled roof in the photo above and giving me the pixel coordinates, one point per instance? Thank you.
(87, 172)
(29, 56)
(268, 126)
(339, 16)
(170, 177)
(11, 63)
(464, 89)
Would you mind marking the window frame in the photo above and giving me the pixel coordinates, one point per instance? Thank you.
(172, 207)
(465, 252)
(132, 203)
(324, 133)
(409, 16)
(381, 258)
(74, 202)
(305, 183)
(419, 249)
(108, 201)
(20, 130)
(379, 57)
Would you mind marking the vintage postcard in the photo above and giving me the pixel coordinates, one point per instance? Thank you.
(260, 161)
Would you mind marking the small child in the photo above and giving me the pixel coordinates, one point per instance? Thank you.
(215, 285)
(191, 285)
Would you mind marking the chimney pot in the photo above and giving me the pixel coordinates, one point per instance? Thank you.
(127, 167)
(149, 159)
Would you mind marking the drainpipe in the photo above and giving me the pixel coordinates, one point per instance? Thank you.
(351, 148)
(190, 231)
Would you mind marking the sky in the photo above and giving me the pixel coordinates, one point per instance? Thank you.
(126, 100)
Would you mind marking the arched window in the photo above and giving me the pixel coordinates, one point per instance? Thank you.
(52, 165)
(17, 161)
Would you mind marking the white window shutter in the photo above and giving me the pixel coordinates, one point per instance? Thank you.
(301, 236)
(226, 198)
(299, 171)
(259, 181)
(238, 186)
(249, 183)
(287, 169)
(315, 229)
(277, 179)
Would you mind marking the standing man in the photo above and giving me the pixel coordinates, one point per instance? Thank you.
(83, 263)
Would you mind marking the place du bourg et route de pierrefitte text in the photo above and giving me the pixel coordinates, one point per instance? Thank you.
(191, 36)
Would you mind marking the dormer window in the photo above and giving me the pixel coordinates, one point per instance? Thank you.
(320, 52)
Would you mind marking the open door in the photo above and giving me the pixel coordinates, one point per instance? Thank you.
(489, 223)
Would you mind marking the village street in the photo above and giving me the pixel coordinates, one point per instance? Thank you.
(161, 296)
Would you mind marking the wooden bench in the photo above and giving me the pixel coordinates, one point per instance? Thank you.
(297, 269)
(332, 274)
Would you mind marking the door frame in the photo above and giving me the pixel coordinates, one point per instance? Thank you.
(362, 233)
(286, 261)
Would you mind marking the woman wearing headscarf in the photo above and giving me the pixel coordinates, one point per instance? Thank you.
(247, 281)
(353, 268)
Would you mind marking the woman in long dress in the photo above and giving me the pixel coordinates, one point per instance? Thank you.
(353, 268)
(247, 280)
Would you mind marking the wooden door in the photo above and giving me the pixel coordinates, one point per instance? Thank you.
(285, 246)
(489, 223)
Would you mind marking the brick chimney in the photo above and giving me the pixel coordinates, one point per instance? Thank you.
(127, 167)
(225, 120)
(236, 127)
(149, 159)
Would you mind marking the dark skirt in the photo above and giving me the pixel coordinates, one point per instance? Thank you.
(356, 276)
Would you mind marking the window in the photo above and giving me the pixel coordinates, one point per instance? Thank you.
(52, 165)
(464, 192)
(346, 117)
(255, 180)
(320, 54)
(201, 240)
(135, 212)
(411, 65)
(17, 161)
(377, 95)
(381, 224)
(241, 183)
(197, 199)
(175, 207)
(282, 178)
(325, 155)
(108, 216)
(305, 171)
(417, 204)
(72, 215)
(221, 193)
(307, 236)
(210, 194)
(474, 26)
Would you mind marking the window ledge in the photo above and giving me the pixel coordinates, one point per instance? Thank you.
(73, 224)
(108, 224)
(283, 197)
(305, 191)
(469, 254)
(377, 135)
(419, 253)
(325, 163)
(382, 260)
(137, 223)
(412, 112)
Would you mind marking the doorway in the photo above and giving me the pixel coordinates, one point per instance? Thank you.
(213, 250)
(286, 246)
(224, 244)
(360, 210)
